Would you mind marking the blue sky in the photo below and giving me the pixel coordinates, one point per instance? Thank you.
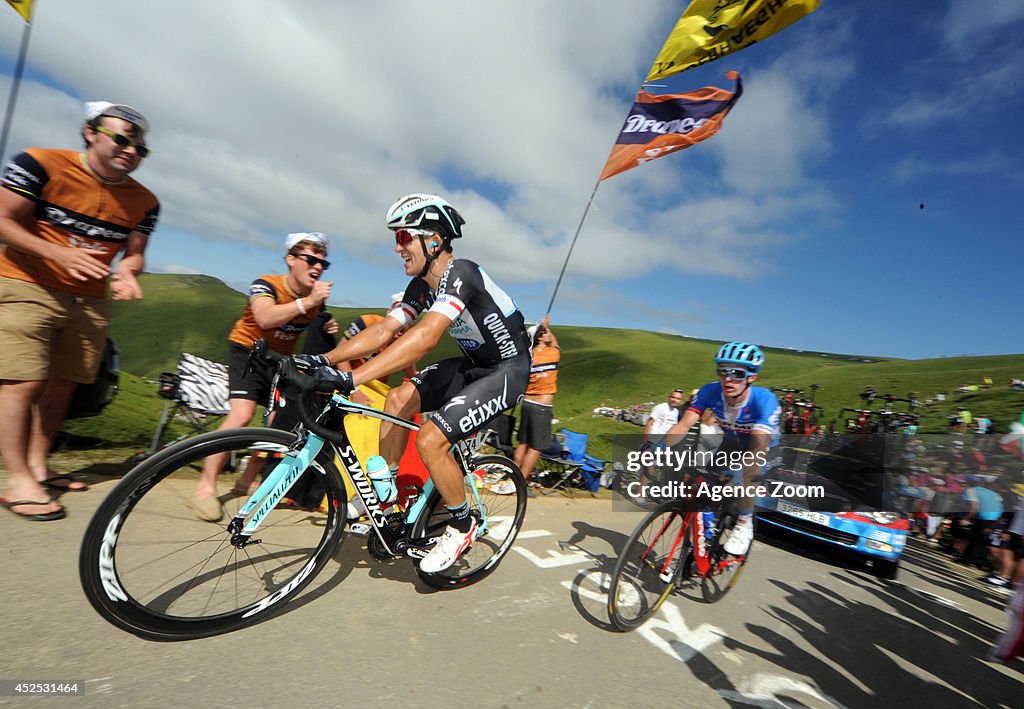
(798, 225)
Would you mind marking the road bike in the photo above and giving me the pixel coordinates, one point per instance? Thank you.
(148, 566)
(672, 549)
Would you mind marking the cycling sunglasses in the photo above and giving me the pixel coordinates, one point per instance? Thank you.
(124, 141)
(313, 260)
(736, 374)
(404, 237)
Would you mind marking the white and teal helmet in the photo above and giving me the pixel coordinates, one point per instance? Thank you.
(743, 354)
(426, 211)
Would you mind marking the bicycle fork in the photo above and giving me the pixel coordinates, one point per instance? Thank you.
(271, 490)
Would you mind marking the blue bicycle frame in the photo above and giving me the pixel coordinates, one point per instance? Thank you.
(296, 461)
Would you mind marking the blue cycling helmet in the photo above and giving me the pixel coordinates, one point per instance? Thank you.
(740, 353)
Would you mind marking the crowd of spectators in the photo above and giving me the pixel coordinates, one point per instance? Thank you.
(968, 501)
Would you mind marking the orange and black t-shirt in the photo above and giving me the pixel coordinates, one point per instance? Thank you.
(357, 326)
(544, 370)
(73, 208)
(282, 338)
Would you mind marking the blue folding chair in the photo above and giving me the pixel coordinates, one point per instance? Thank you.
(572, 464)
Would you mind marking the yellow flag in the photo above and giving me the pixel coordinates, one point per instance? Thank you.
(23, 8)
(710, 29)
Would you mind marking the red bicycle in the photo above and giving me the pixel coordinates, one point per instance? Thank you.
(672, 549)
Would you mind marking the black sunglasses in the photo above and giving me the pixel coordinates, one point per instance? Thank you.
(123, 141)
(736, 374)
(313, 260)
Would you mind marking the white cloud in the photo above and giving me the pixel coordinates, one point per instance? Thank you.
(970, 23)
(270, 117)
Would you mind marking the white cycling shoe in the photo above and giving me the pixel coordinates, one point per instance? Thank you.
(450, 546)
(740, 537)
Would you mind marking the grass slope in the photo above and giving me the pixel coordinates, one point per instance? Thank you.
(600, 366)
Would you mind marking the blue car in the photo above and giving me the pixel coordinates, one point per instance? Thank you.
(835, 518)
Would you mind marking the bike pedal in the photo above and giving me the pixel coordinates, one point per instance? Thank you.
(359, 528)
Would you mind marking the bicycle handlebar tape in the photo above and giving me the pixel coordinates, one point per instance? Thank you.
(306, 388)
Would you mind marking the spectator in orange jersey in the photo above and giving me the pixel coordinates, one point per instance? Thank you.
(535, 414)
(358, 325)
(65, 216)
(280, 308)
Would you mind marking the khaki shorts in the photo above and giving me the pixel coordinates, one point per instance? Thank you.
(50, 333)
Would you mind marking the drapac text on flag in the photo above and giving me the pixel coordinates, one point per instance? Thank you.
(659, 125)
(23, 8)
(710, 29)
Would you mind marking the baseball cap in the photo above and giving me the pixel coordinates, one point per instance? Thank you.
(117, 110)
(313, 236)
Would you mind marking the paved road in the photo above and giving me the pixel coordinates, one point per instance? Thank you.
(800, 629)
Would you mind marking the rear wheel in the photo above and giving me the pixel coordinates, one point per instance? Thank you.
(499, 504)
(150, 567)
(648, 567)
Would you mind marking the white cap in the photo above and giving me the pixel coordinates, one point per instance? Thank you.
(313, 236)
(531, 331)
(397, 297)
(117, 110)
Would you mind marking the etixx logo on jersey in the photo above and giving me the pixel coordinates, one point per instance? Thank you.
(483, 412)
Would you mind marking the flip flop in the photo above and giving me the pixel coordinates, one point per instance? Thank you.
(39, 517)
(52, 484)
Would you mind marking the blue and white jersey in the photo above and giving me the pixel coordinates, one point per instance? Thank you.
(760, 411)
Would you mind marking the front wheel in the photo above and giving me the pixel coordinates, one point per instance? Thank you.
(648, 567)
(726, 569)
(150, 567)
(498, 499)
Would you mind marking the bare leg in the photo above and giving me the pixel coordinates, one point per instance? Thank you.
(529, 461)
(16, 401)
(517, 455)
(239, 415)
(434, 449)
(404, 401)
(47, 417)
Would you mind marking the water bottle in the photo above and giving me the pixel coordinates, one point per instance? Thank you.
(382, 478)
(709, 524)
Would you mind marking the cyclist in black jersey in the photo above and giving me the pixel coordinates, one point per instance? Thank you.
(464, 393)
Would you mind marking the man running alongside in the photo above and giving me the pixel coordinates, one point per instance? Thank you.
(749, 417)
(464, 393)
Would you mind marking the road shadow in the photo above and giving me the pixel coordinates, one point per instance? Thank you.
(880, 659)
(589, 588)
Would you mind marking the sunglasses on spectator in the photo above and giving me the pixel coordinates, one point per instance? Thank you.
(313, 260)
(403, 237)
(124, 141)
(735, 374)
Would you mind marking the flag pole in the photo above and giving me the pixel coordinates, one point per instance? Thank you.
(15, 84)
(573, 244)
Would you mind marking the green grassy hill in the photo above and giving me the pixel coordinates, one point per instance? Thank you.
(600, 366)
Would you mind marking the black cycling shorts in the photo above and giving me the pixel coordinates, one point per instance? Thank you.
(463, 396)
(254, 385)
(535, 425)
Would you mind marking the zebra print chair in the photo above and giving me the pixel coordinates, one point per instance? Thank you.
(197, 393)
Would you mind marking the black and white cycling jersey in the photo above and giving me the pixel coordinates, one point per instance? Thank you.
(486, 322)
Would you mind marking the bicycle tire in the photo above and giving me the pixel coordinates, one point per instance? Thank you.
(504, 513)
(637, 587)
(148, 566)
(725, 569)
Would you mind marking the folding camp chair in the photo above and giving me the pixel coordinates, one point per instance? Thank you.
(571, 463)
(197, 393)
